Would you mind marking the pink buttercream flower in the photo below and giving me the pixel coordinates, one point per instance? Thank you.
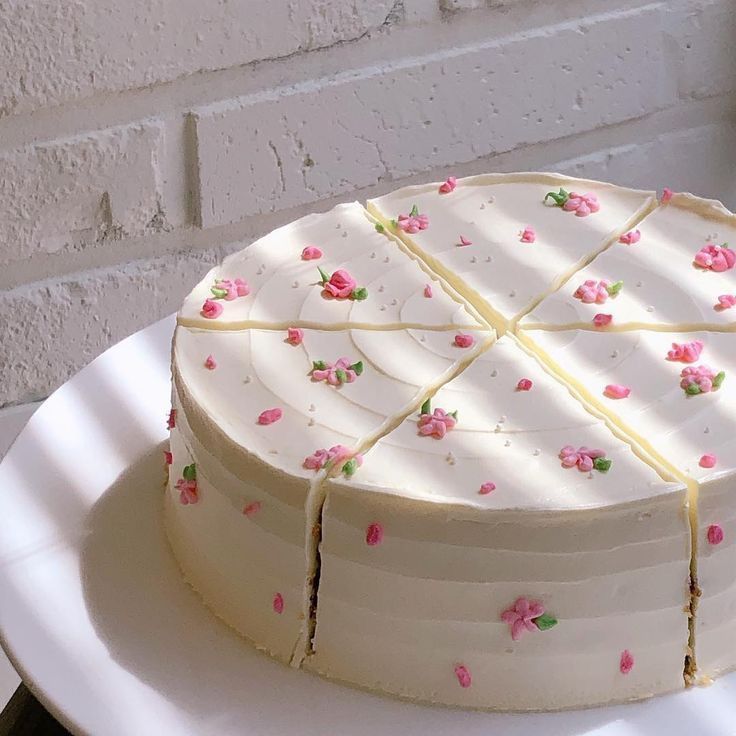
(581, 204)
(342, 371)
(210, 363)
(486, 488)
(630, 238)
(626, 663)
(317, 460)
(428, 291)
(168, 457)
(340, 285)
(278, 603)
(211, 309)
(448, 185)
(463, 675)
(726, 301)
(528, 235)
(602, 320)
(708, 461)
(715, 534)
(229, 289)
(320, 458)
(188, 492)
(465, 241)
(715, 257)
(413, 222)
(294, 335)
(701, 379)
(269, 416)
(374, 534)
(524, 384)
(584, 457)
(464, 340)
(311, 253)
(592, 292)
(521, 615)
(436, 424)
(667, 195)
(617, 391)
(251, 509)
(686, 352)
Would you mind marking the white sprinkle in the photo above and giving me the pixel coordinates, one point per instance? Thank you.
(246, 379)
(489, 259)
(512, 293)
(707, 430)
(381, 287)
(344, 233)
(507, 443)
(337, 226)
(640, 284)
(650, 308)
(491, 199)
(450, 458)
(482, 206)
(494, 373)
(422, 338)
(537, 451)
(373, 255)
(273, 452)
(310, 423)
(386, 259)
(295, 285)
(614, 354)
(474, 260)
(502, 418)
(259, 271)
(394, 302)
(312, 407)
(497, 428)
(382, 307)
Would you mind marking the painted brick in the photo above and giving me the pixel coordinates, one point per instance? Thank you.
(700, 38)
(66, 194)
(57, 326)
(700, 160)
(60, 50)
(287, 146)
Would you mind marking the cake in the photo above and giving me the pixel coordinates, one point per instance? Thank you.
(469, 445)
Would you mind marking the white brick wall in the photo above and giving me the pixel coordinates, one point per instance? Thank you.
(140, 140)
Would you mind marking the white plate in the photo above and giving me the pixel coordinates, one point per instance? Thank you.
(96, 618)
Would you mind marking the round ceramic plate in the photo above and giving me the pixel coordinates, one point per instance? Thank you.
(96, 618)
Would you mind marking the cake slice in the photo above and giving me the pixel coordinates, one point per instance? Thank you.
(505, 241)
(259, 416)
(326, 271)
(675, 394)
(503, 548)
(675, 271)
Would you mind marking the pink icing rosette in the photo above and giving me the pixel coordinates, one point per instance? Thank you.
(436, 424)
(715, 257)
(581, 204)
(592, 292)
(520, 617)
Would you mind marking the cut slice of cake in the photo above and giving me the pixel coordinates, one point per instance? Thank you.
(503, 549)
(675, 394)
(674, 271)
(505, 241)
(259, 416)
(328, 271)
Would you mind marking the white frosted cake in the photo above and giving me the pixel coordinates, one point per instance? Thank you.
(470, 445)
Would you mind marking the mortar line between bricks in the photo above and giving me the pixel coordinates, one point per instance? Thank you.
(688, 115)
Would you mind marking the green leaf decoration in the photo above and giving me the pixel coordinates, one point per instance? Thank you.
(426, 407)
(218, 293)
(453, 414)
(559, 198)
(359, 294)
(602, 464)
(189, 472)
(357, 367)
(725, 245)
(341, 375)
(544, 622)
(379, 228)
(615, 287)
(324, 276)
(350, 467)
(394, 224)
(693, 389)
(719, 379)
(318, 365)
(414, 211)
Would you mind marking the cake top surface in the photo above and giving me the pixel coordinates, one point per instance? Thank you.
(519, 441)
(369, 280)
(283, 396)
(502, 237)
(675, 271)
(685, 425)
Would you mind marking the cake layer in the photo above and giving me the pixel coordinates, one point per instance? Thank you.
(500, 242)
(661, 273)
(261, 415)
(370, 280)
(433, 539)
(692, 430)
